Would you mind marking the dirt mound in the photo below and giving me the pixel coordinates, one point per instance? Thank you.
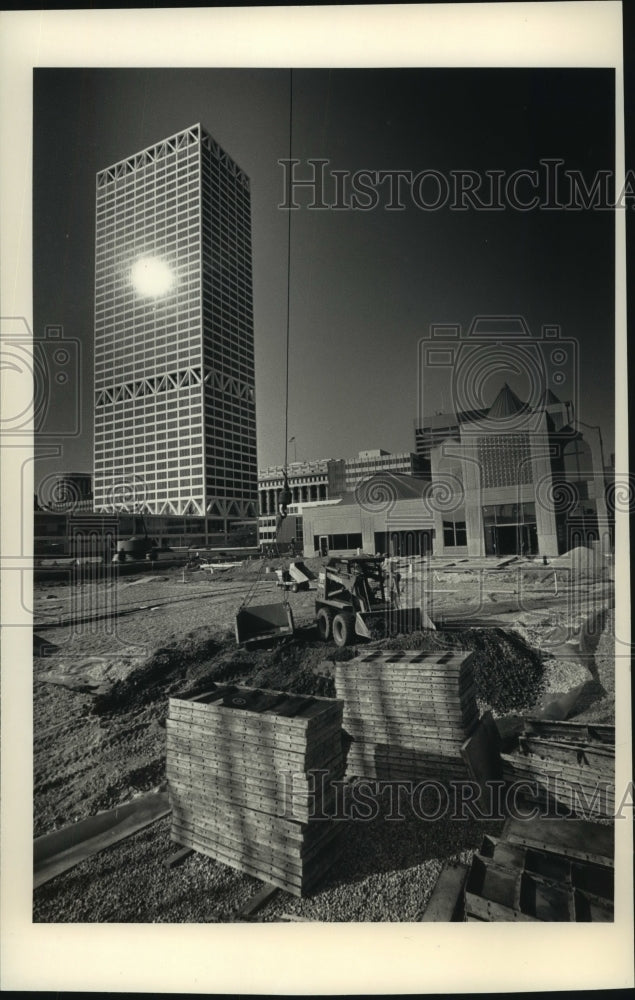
(509, 674)
(290, 665)
(582, 561)
(148, 682)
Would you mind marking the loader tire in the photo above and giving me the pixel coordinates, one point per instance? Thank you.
(324, 624)
(343, 630)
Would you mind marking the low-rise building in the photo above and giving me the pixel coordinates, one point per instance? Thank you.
(387, 513)
(370, 463)
(510, 479)
(319, 479)
(82, 533)
(324, 482)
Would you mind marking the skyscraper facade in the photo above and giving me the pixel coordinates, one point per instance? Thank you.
(175, 422)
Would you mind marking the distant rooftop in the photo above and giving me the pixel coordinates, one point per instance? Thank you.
(385, 486)
(505, 404)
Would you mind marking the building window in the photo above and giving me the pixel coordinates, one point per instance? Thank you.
(342, 541)
(454, 533)
(577, 460)
(509, 513)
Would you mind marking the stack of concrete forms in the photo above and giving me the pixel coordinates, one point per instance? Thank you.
(565, 764)
(241, 766)
(408, 713)
(513, 881)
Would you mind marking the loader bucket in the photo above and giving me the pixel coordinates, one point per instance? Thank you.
(376, 624)
(264, 621)
(300, 572)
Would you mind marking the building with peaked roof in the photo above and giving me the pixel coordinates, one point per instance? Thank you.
(514, 479)
(508, 479)
(175, 421)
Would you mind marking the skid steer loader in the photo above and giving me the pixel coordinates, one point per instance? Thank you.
(352, 600)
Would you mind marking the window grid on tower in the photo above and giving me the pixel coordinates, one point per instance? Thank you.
(174, 374)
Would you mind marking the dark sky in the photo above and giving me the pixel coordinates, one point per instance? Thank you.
(365, 285)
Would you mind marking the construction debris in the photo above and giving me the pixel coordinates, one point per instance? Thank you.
(513, 881)
(582, 562)
(249, 777)
(446, 902)
(408, 713)
(565, 765)
(56, 852)
(256, 902)
(297, 577)
(582, 839)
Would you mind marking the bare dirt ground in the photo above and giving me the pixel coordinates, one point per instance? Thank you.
(101, 690)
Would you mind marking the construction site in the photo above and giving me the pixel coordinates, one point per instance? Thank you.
(396, 701)
(231, 738)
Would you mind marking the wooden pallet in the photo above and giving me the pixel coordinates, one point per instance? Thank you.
(226, 825)
(250, 773)
(295, 854)
(415, 680)
(267, 751)
(444, 728)
(565, 764)
(259, 824)
(448, 741)
(583, 802)
(510, 882)
(528, 766)
(587, 732)
(229, 723)
(227, 768)
(581, 839)
(406, 700)
(390, 762)
(447, 658)
(210, 798)
(582, 756)
(267, 870)
(408, 712)
(413, 762)
(415, 774)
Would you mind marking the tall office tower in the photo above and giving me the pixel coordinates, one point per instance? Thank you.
(175, 422)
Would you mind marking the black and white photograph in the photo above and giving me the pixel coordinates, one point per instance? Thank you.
(323, 481)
